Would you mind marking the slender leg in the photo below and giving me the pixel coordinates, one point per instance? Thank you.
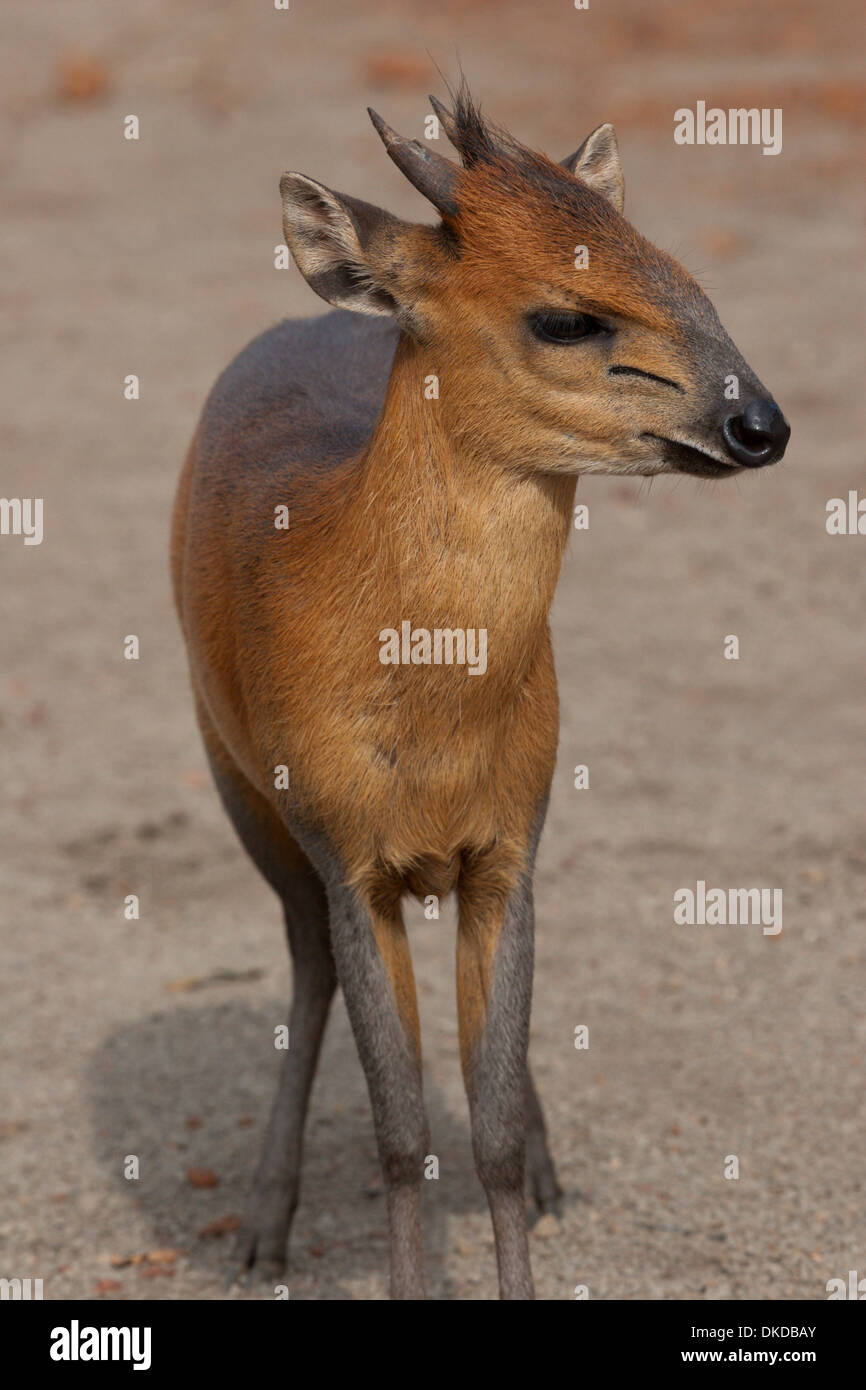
(375, 971)
(542, 1175)
(263, 1238)
(494, 996)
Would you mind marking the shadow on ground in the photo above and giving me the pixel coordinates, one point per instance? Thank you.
(190, 1088)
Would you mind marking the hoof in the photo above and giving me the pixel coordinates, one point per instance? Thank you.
(258, 1256)
(554, 1205)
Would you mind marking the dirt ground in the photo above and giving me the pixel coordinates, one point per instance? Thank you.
(153, 1037)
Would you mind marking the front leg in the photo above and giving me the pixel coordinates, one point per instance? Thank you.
(374, 967)
(494, 997)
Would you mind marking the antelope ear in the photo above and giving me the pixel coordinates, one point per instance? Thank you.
(597, 163)
(340, 245)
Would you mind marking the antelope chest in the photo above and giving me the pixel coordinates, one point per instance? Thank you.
(420, 784)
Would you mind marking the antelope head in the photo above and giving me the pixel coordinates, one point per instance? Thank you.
(563, 340)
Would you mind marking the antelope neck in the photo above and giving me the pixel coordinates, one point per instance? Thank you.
(477, 541)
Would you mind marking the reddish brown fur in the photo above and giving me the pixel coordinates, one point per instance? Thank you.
(476, 754)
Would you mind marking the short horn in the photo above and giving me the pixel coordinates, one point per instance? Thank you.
(432, 175)
(446, 120)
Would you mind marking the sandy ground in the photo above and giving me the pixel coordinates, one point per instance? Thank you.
(156, 258)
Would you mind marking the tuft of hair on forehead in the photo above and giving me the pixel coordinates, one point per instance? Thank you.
(475, 139)
(479, 140)
(485, 146)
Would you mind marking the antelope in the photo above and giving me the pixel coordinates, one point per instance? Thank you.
(426, 439)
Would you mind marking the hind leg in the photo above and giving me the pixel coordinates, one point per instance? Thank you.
(263, 1237)
(542, 1175)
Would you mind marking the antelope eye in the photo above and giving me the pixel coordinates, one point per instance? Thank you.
(562, 326)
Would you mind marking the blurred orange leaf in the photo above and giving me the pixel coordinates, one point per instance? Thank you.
(80, 78)
(202, 1177)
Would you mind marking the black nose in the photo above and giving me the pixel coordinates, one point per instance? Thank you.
(758, 435)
